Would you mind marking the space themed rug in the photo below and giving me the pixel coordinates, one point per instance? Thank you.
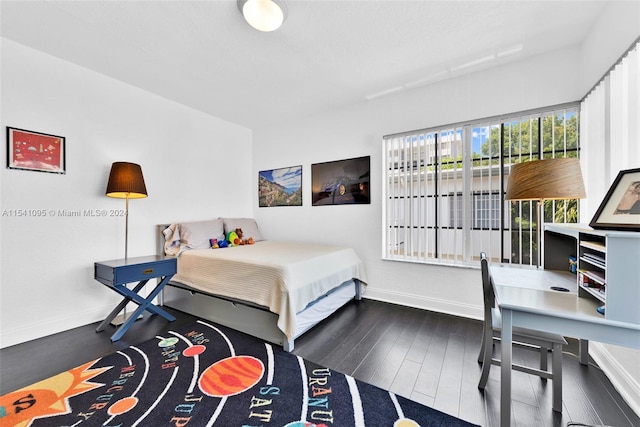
(207, 375)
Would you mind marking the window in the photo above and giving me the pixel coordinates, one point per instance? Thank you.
(444, 188)
(485, 210)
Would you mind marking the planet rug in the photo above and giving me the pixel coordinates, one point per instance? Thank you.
(204, 374)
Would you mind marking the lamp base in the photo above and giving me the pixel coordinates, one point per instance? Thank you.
(121, 318)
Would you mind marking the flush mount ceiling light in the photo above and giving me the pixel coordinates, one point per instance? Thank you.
(263, 15)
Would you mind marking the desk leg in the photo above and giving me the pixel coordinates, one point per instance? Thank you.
(584, 352)
(505, 368)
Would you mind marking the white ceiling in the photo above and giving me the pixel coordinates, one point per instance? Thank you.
(327, 54)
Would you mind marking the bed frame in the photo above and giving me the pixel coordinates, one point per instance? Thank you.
(248, 317)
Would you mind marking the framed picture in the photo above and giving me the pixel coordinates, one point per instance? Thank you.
(341, 182)
(35, 151)
(280, 187)
(620, 209)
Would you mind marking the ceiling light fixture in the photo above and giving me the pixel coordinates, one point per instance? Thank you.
(474, 63)
(263, 15)
(512, 51)
(384, 93)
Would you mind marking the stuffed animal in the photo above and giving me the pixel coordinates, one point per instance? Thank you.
(248, 241)
(232, 237)
(220, 242)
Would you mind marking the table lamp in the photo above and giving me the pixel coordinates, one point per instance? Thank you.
(546, 179)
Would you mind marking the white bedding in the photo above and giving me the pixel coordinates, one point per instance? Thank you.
(283, 276)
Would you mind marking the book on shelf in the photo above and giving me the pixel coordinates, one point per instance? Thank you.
(595, 258)
(594, 262)
(590, 277)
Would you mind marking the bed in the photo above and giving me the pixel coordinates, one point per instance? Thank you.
(273, 290)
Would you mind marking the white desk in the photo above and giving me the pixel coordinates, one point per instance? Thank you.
(525, 299)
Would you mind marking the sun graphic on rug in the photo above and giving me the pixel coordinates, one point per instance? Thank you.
(49, 397)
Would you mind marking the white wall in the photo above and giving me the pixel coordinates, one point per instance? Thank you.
(358, 131)
(47, 280)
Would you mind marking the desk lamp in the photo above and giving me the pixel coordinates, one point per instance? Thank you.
(546, 179)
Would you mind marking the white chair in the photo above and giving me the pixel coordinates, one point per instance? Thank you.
(528, 338)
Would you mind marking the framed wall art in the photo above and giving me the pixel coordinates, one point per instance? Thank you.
(280, 187)
(620, 209)
(35, 151)
(341, 182)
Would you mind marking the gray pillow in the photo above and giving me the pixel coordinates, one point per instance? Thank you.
(248, 225)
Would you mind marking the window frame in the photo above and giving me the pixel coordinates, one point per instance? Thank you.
(411, 160)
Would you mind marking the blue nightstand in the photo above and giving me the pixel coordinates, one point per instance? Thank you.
(115, 274)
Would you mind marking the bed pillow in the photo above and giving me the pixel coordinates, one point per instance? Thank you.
(248, 225)
(191, 235)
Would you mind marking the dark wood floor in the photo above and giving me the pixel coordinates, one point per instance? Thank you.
(425, 356)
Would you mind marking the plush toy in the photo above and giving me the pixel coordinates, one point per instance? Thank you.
(220, 242)
(232, 237)
(248, 241)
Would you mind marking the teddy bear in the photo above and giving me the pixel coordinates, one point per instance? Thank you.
(248, 241)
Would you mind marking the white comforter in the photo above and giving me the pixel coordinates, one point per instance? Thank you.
(284, 276)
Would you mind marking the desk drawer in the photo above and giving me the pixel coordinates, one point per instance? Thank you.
(133, 273)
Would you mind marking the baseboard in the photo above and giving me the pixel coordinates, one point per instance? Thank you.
(622, 381)
(43, 328)
(425, 303)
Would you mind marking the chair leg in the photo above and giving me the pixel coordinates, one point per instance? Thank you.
(556, 365)
(487, 354)
(544, 354)
(481, 353)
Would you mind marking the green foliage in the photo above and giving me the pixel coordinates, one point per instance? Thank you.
(522, 138)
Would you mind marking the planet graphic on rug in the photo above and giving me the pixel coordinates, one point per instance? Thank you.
(304, 424)
(122, 406)
(168, 342)
(405, 422)
(194, 350)
(231, 376)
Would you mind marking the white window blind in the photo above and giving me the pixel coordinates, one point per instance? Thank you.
(610, 131)
(444, 188)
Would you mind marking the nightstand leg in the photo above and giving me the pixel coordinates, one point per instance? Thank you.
(144, 304)
(120, 306)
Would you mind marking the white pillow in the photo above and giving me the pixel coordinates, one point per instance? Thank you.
(248, 225)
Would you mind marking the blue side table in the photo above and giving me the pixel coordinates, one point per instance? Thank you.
(115, 274)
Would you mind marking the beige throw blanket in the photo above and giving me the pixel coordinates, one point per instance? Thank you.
(284, 276)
